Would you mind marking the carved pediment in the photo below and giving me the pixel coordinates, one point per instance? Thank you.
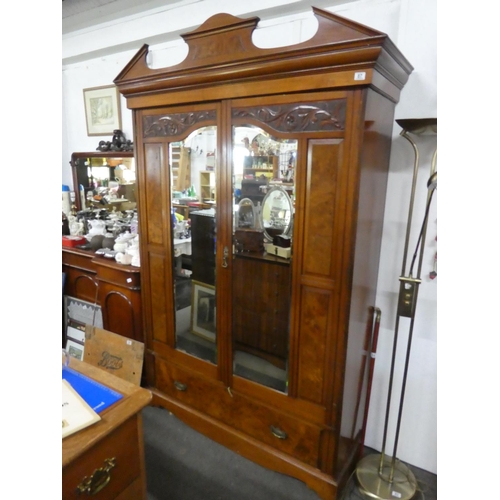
(221, 50)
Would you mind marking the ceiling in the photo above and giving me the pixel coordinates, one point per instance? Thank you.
(81, 14)
(93, 28)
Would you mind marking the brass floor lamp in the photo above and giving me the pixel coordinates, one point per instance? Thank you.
(380, 476)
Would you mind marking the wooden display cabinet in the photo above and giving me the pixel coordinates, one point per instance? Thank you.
(257, 166)
(334, 97)
(207, 186)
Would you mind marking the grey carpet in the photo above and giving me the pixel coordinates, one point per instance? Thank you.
(182, 464)
(182, 292)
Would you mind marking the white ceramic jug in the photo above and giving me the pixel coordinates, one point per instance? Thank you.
(96, 227)
(123, 258)
(133, 250)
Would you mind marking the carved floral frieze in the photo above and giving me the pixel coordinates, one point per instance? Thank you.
(305, 117)
(175, 123)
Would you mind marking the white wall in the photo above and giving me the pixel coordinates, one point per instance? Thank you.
(95, 57)
(79, 76)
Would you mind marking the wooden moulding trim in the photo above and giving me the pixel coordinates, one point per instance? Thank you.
(112, 293)
(358, 59)
(84, 277)
(101, 262)
(103, 154)
(221, 50)
(299, 409)
(80, 268)
(170, 355)
(295, 407)
(235, 89)
(116, 283)
(324, 484)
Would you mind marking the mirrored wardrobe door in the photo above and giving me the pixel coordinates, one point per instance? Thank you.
(263, 186)
(193, 210)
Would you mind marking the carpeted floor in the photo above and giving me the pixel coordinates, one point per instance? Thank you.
(182, 292)
(182, 464)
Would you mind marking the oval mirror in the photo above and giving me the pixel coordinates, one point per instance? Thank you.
(276, 214)
(246, 214)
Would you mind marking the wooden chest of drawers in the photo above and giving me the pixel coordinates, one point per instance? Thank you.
(106, 460)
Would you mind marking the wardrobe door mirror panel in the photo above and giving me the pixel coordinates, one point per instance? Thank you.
(263, 186)
(193, 209)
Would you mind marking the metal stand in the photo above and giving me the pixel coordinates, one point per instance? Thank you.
(378, 476)
(382, 478)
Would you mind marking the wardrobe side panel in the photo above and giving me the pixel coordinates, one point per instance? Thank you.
(374, 157)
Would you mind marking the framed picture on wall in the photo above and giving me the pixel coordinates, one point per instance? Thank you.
(102, 110)
(203, 311)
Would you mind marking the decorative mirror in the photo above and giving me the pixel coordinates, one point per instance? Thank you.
(246, 214)
(276, 214)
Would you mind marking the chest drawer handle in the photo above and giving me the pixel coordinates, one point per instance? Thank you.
(277, 432)
(98, 480)
(180, 386)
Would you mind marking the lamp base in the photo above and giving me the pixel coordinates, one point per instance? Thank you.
(374, 482)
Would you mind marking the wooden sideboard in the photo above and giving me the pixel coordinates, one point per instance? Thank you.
(113, 286)
(114, 443)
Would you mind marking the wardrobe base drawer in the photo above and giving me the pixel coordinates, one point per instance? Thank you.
(282, 431)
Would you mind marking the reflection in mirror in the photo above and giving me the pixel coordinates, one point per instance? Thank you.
(246, 214)
(193, 175)
(276, 216)
(101, 179)
(263, 174)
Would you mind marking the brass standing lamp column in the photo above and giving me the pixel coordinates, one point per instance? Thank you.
(379, 476)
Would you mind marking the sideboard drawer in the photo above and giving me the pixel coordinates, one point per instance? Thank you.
(122, 448)
(79, 260)
(123, 276)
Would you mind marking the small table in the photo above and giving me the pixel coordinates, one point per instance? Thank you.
(110, 453)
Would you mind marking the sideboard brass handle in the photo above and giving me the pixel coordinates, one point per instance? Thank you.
(98, 480)
(180, 386)
(277, 432)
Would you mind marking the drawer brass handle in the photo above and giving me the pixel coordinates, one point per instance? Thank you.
(98, 480)
(180, 386)
(277, 432)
